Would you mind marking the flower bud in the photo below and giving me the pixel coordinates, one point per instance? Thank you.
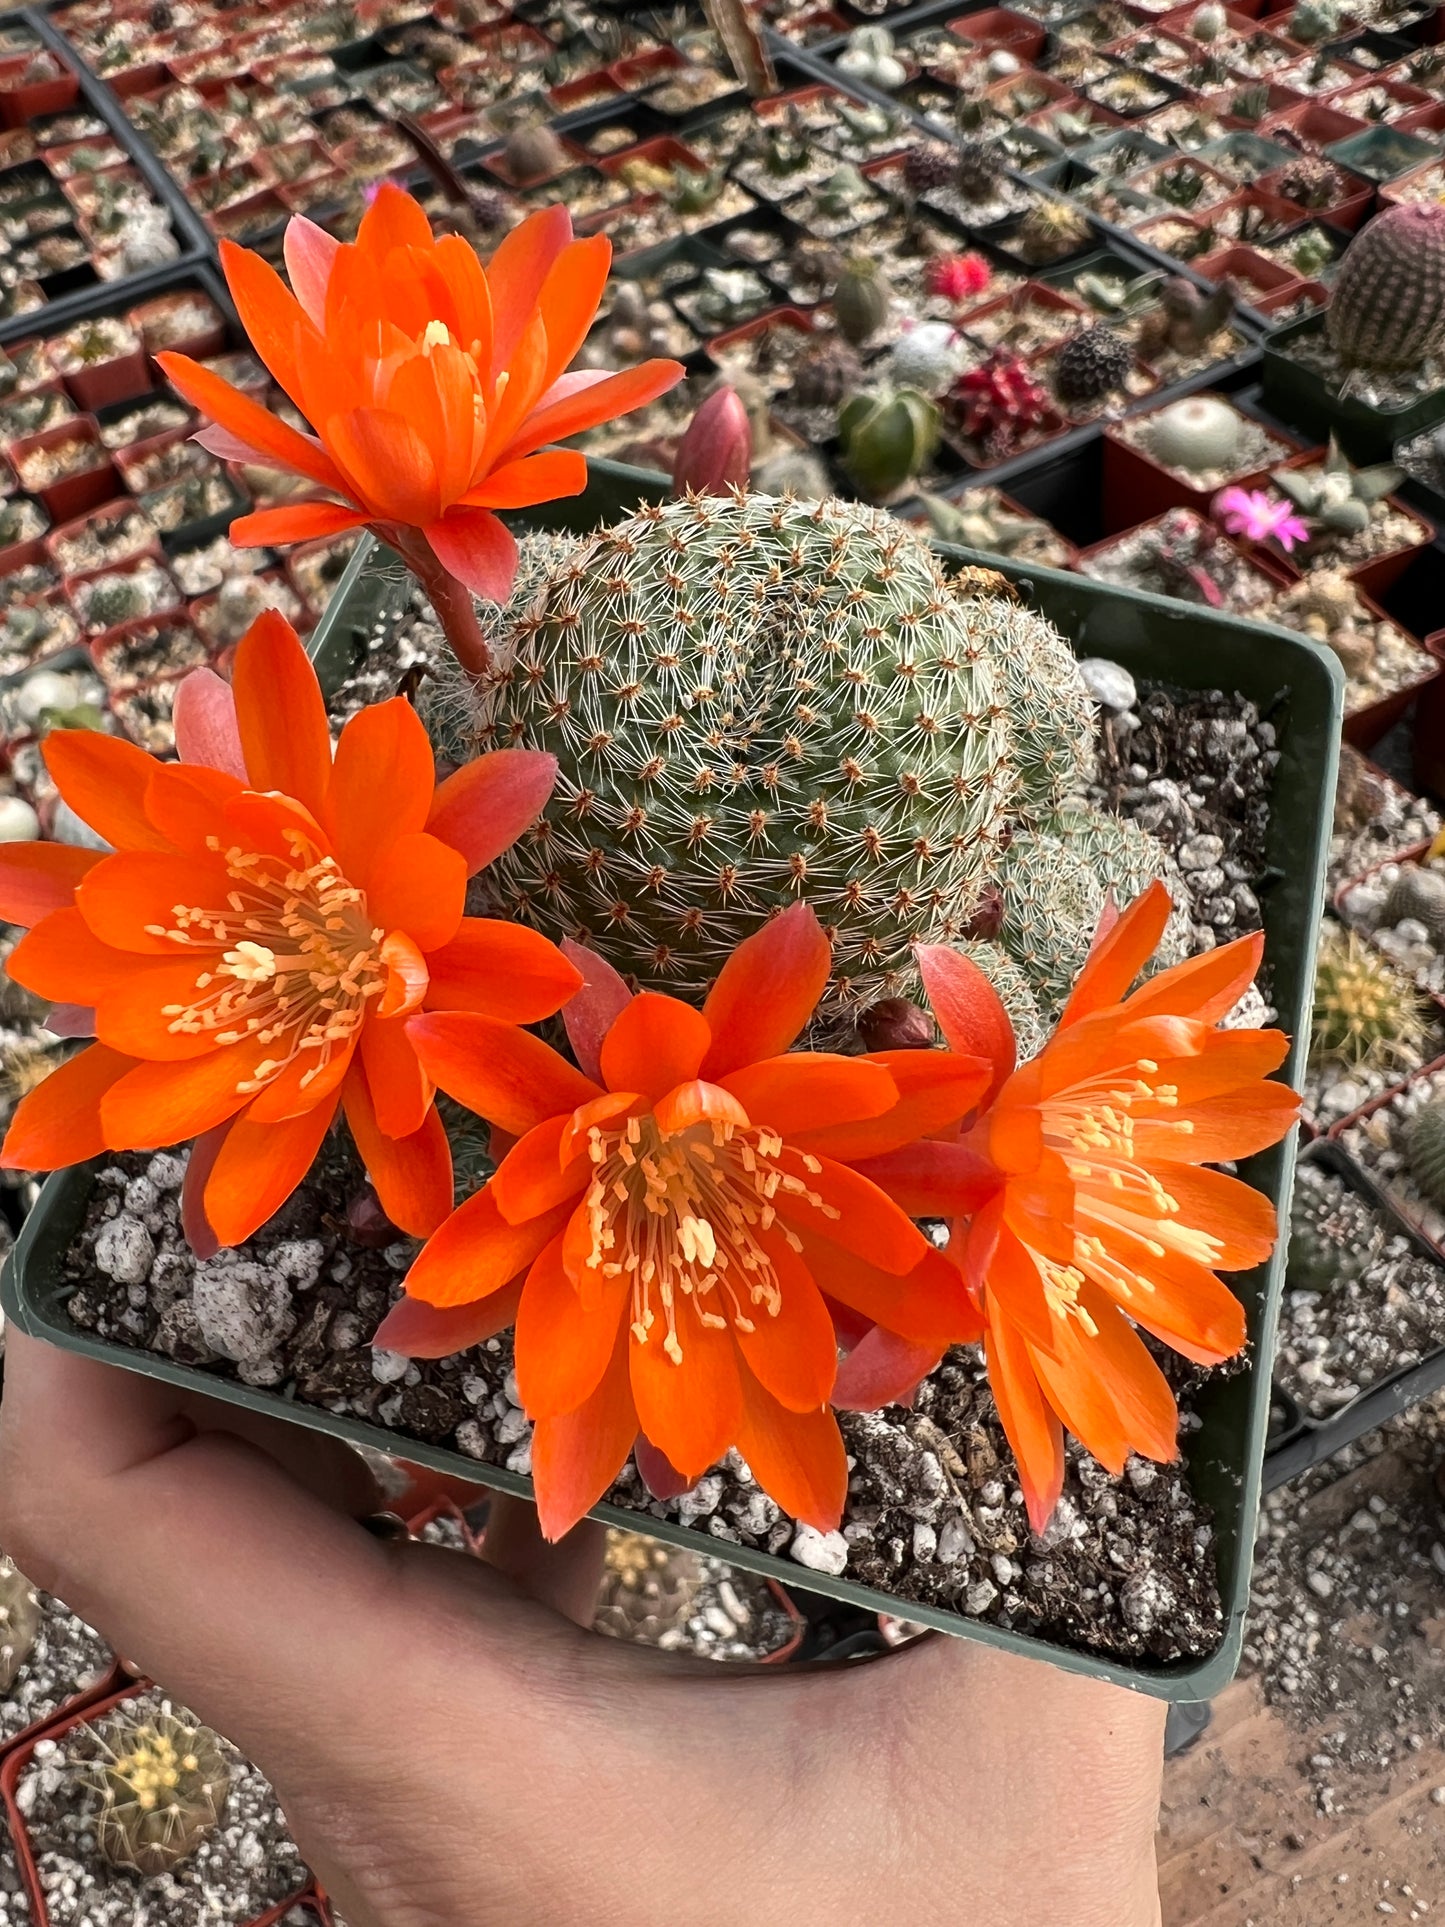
(716, 450)
(895, 1024)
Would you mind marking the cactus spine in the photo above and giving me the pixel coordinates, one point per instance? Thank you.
(1425, 1149)
(754, 701)
(19, 1621)
(1387, 311)
(162, 1784)
(1366, 1016)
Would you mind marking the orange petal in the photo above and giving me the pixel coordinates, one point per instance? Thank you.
(309, 252)
(407, 977)
(418, 885)
(382, 783)
(501, 970)
(270, 314)
(590, 1014)
(275, 442)
(1116, 957)
(475, 1251)
(792, 1349)
(852, 1212)
(692, 1102)
(204, 719)
(158, 1104)
(258, 1167)
(565, 1340)
(516, 275)
(62, 960)
(789, 1094)
(1240, 1219)
(576, 1458)
(412, 1174)
(1014, 1283)
(882, 1369)
(481, 552)
(654, 1044)
(281, 714)
(1206, 987)
(393, 220)
(969, 1010)
(503, 1074)
(548, 477)
(531, 1177)
(184, 799)
(1235, 1124)
(36, 878)
(401, 1091)
(766, 991)
(933, 1179)
(928, 1305)
(104, 781)
(424, 1331)
(935, 1089)
(391, 465)
(1173, 1297)
(796, 1457)
(294, 522)
(59, 1122)
(1029, 1421)
(125, 899)
(1107, 1389)
(587, 405)
(302, 1085)
(690, 1411)
(131, 1005)
(570, 297)
(489, 802)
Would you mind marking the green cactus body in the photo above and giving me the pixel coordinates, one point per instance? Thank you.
(1387, 309)
(1366, 1015)
(860, 301)
(754, 701)
(1425, 1150)
(162, 1785)
(19, 1621)
(1052, 902)
(887, 439)
(1417, 894)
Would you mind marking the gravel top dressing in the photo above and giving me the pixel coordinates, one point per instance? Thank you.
(14, 1907)
(68, 1657)
(1360, 1303)
(247, 1864)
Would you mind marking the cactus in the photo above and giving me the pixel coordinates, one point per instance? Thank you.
(999, 403)
(754, 701)
(926, 166)
(1315, 21)
(1339, 497)
(119, 598)
(926, 356)
(1366, 1015)
(647, 1589)
(860, 300)
(1250, 103)
(869, 57)
(1387, 310)
(161, 1783)
(19, 1621)
(533, 153)
(1209, 21)
(1311, 182)
(887, 439)
(1051, 229)
(1311, 253)
(1112, 295)
(979, 520)
(958, 278)
(978, 168)
(826, 375)
(844, 188)
(1091, 365)
(1197, 435)
(1417, 895)
(1425, 1150)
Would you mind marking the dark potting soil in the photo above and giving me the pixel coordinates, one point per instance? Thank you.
(934, 1512)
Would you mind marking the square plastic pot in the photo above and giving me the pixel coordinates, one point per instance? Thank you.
(1302, 688)
(1299, 395)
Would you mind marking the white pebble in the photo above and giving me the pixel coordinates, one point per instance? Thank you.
(1109, 683)
(124, 1250)
(820, 1551)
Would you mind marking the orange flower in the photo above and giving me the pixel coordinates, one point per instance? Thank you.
(432, 383)
(1081, 1205)
(254, 946)
(673, 1225)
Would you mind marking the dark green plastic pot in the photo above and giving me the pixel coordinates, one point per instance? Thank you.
(1299, 395)
(1302, 687)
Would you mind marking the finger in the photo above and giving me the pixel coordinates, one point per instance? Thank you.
(328, 1468)
(565, 1576)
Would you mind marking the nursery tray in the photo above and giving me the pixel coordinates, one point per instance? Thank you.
(1301, 686)
(1310, 1441)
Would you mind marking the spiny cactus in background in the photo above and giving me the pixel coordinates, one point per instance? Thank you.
(977, 169)
(1091, 365)
(1387, 308)
(19, 1621)
(1051, 229)
(927, 165)
(860, 300)
(1185, 320)
(119, 598)
(887, 439)
(827, 374)
(1417, 895)
(1366, 1015)
(647, 1589)
(1309, 181)
(1425, 1150)
(161, 1784)
(999, 404)
(961, 279)
(926, 356)
(1314, 21)
(756, 701)
(1339, 497)
(533, 153)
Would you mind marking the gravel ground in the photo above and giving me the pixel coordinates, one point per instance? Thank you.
(1360, 1303)
(67, 1659)
(1375, 817)
(14, 1907)
(247, 1864)
(1378, 1142)
(1371, 905)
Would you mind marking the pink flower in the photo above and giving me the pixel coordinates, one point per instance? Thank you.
(1258, 515)
(958, 277)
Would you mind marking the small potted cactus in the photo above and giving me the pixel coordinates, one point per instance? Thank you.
(1370, 370)
(101, 361)
(1181, 455)
(1354, 519)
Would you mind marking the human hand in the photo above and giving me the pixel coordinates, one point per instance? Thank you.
(452, 1751)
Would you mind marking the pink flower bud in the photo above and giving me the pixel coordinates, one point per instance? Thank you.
(716, 450)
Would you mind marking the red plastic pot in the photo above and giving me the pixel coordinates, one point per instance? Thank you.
(23, 102)
(1409, 99)
(72, 494)
(209, 340)
(1429, 730)
(1262, 565)
(57, 159)
(1315, 292)
(1347, 213)
(1061, 307)
(115, 511)
(1137, 490)
(1373, 578)
(21, 555)
(1252, 273)
(1273, 207)
(587, 90)
(130, 461)
(80, 1706)
(109, 640)
(124, 377)
(1316, 122)
(994, 29)
(664, 150)
(140, 79)
(1364, 727)
(14, 1765)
